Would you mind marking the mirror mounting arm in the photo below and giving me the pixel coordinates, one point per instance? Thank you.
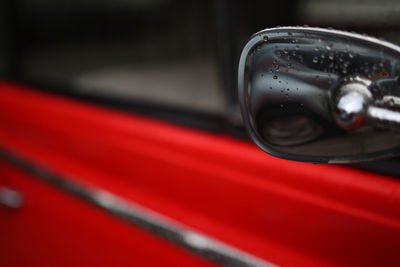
(383, 117)
(354, 107)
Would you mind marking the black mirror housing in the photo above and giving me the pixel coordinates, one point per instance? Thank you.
(320, 95)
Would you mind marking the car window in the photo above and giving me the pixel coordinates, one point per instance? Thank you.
(171, 59)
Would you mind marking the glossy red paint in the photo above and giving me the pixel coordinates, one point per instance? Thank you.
(54, 229)
(289, 213)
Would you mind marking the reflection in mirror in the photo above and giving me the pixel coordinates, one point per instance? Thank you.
(321, 95)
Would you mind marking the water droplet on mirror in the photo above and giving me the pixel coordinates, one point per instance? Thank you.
(265, 38)
(329, 46)
(275, 77)
(315, 59)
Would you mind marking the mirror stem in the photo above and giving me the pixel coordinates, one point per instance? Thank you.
(383, 117)
(354, 107)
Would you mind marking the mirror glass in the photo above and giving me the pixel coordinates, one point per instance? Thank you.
(291, 80)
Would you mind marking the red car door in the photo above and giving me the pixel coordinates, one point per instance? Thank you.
(103, 187)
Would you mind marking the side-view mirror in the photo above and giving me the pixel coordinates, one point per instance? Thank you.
(321, 95)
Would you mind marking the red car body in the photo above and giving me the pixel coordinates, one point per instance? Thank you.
(285, 213)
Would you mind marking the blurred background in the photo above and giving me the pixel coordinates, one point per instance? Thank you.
(171, 59)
